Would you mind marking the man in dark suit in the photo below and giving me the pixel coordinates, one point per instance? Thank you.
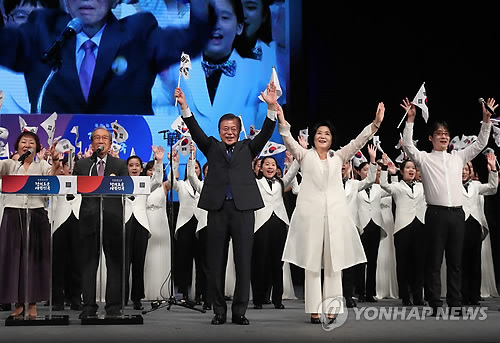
(230, 195)
(125, 56)
(102, 164)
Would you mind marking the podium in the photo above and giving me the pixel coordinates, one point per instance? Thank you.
(36, 186)
(100, 187)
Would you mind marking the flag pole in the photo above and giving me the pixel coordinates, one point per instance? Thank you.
(178, 85)
(402, 119)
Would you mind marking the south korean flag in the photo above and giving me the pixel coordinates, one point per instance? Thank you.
(272, 148)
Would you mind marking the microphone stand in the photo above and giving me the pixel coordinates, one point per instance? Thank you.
(55, 63)
(171, 138)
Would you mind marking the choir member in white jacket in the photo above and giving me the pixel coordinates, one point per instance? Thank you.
(475, 220)
(66, 280)
(270, 233)
(200, 283)
(409, 236)
(186, 243)
(370, 226)
(322, 232)
(158, 260)
(352, 187)
(137, 227)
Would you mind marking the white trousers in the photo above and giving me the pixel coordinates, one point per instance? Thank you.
(326, 299)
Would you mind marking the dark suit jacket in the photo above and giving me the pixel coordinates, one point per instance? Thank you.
(112, 205)
(237, 171)
(147, 49)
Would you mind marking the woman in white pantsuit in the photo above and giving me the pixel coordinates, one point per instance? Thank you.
(322, 232)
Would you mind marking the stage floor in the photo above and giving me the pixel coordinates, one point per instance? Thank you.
(384, 321)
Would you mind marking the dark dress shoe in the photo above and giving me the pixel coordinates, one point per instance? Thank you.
(58, 307)
(279, 306)
(350, 303)
(5, 307)
(138, 305)
(361, 299)
(257, 306)
(207, 306)
(219, 319)
(419, 302)
(76, 306)
(87, 313)
(197, 300)
(407, 302)
(332, 319)
(240, 320)
(371, 299)
(315, 320)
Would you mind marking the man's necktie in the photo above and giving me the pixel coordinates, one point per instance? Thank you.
(100, 168)
(228, 68)
(229, 191)
(87, 67)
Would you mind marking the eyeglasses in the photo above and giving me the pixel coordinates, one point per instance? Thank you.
(442, 133)
(230, 129)
(98, 138)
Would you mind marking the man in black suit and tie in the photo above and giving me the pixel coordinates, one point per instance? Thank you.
(230, 195)
(110, 66)
(101, 164)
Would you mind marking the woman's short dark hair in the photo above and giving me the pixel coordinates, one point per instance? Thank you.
(315, 128)
(149, 165)
(136, 157)
(28, 134)
(199, 176)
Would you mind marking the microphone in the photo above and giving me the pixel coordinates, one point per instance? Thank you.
(97, 152)
(74, 27)
(25, 155)
(481, 101)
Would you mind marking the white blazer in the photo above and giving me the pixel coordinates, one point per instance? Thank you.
(353, 187)
(369, 208)
(63, 208)
(472, 205)
(273, 198)
(137, 207)
(408, 204)
(322, 202)
(199, 213)
(188, 198)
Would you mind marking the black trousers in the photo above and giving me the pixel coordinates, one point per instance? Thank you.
(444, 227)
(348, 277)
(90, 254)
(471, 262)
(202, 278)
(137, 243)
(66, 276)
(409, 243)
(367, 272)
(267, 267)
(186, 249)
(229, 222)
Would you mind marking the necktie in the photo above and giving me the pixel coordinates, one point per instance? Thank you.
(87, 67)
(368, 192)
(466, 186)
(100, 169)
(228, 68)
(411, 184)
(229, 191)
(270, 182)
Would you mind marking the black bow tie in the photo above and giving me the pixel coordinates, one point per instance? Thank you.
(228, 68)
